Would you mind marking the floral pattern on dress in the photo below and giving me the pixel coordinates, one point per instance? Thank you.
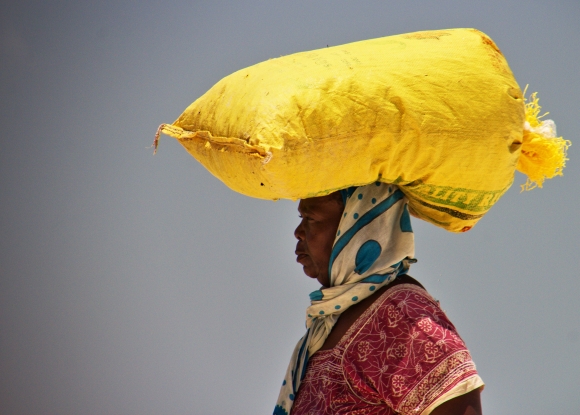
(425, 324)
(400, 356)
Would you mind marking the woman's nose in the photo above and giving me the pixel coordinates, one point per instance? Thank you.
(299, 232)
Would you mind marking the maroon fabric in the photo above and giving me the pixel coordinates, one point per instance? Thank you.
(400, 356)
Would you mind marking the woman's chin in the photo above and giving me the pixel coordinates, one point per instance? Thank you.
(312, 272)
(309, 273)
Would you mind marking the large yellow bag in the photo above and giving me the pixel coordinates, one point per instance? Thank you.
(438, 113)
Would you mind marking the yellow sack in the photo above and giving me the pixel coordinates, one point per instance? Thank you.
(438, 113)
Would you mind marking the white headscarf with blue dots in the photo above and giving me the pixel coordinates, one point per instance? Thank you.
(374, 244)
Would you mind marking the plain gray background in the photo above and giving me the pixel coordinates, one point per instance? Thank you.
(133, 284)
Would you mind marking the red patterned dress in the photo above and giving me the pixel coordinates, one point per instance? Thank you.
(401, 356)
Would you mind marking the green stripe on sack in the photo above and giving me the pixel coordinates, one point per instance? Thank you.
(461, 198)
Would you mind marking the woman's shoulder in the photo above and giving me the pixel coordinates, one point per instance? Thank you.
(404, 279)
(404, 306)
(405, 294)
(404, 350)
(358, 315)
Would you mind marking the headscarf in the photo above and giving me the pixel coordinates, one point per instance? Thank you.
(373, 245)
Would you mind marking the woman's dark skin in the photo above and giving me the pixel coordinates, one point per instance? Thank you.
(320, 217)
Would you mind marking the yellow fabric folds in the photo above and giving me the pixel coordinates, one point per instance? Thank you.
(438, 113)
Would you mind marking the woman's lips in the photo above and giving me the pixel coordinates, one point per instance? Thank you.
(300, 256)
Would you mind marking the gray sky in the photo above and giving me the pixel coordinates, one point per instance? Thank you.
(133, 284)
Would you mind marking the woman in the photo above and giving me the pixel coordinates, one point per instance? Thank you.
(376, 343)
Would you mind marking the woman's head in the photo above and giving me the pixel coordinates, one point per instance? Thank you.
(358, 234)
(320, 217)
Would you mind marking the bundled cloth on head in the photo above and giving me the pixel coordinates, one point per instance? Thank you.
(373, 245)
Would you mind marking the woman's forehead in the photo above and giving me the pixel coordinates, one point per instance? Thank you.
(319, 204)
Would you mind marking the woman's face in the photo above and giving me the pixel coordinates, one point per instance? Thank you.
(316, 232)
